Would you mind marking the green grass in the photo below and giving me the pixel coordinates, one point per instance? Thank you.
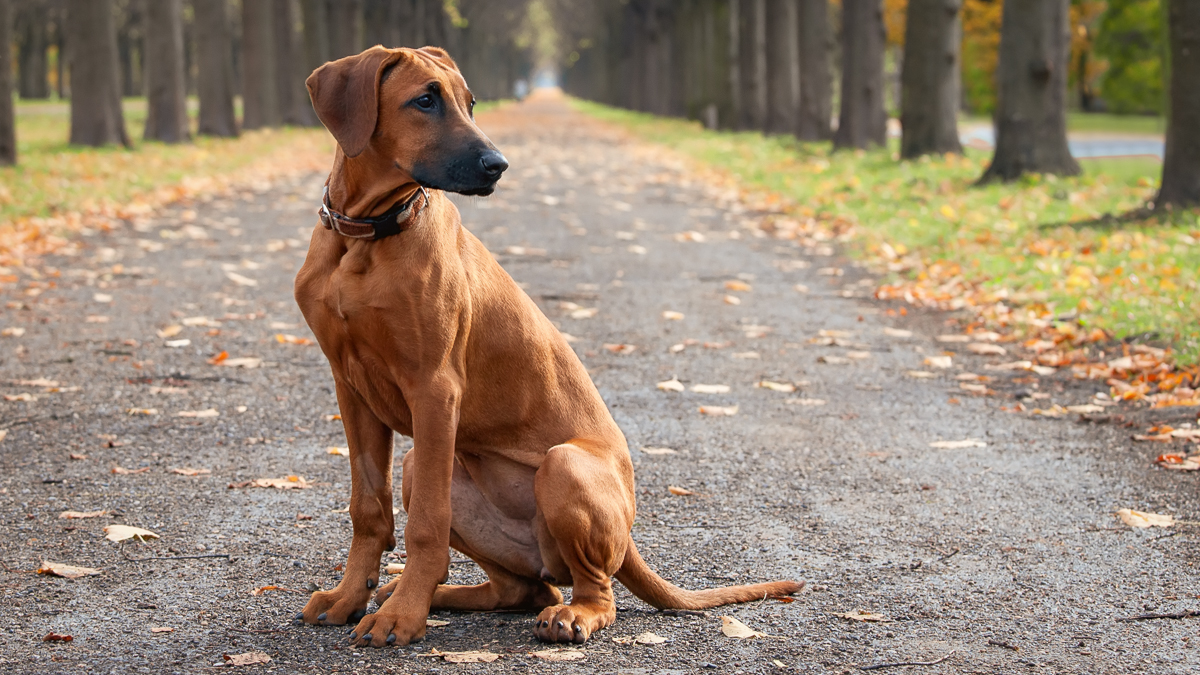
(1023, 242)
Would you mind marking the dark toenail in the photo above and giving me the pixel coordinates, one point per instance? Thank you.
(321, 617)
(299, 616)
(545, 623)
(370, 583)
(353, 634)
(391, 638)
(367, 637)
(560, 625)
(388, 595)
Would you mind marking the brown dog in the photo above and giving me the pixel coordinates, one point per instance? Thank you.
(516, 461)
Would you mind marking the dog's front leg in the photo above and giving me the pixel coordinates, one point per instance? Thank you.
(401, 618)
(370, 443)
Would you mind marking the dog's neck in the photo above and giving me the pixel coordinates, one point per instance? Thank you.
(365, 187)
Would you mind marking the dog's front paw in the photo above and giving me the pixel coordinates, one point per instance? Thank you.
(564, 623)
(388, 627)
(335, 608)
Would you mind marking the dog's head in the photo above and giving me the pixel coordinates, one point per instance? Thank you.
(412, 109)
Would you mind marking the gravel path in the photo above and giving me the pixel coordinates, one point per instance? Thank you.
(1004, 557)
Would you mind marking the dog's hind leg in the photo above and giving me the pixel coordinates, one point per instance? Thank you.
(585, 510)
(370, 512)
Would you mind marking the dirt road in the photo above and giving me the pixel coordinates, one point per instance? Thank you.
(1000, 557)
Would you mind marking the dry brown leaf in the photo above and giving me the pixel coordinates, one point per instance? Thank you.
(28, 398)
(123, 532)
(188, 471)
(558, 655)
(681, 492)
(240, 280)
(73, 455)
(958, 445)
(335, 450)
(658, 451)
(57, 637)
(858, 355)
(162, 629)
(719, 410)
(1140, 519)
(986, 349)
(953, 338)
(142, 411)
(834, 360)
(670, 315)
(897, 332)
(1085, 409)
(860, 615)
(646, 638)
(942, 362)
(805, 401)
(920, 374)
(776, 386)
(333, 418)
(245, 659)
(394, 568)
(3, 434)
(81, 514)
(733, 628)
(465, 657)
(285, 483)
(584, 312)
(732, 300)
(13, 331)
(169, 331)
(37, 382)
(241, 362)
(735, 285)
(621, 348)
(670, 385)
(285, 338)
(199, 414)
(122, 471)
(710, 388)
(66, 571)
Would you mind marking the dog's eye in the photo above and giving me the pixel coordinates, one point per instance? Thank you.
(425, 102)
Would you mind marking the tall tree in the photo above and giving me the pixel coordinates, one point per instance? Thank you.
(1031, 96)
(862, 121)
(751, 18)
(816, 82)
(260, 99)
(214, 68)
(8, 131)
(131, 45)
(96, 115)
(290, 71)
(783, 66)
(315, 16)
(166, 95)
(32, 20)
(930, 78)
(346, 27)
(1181, 165)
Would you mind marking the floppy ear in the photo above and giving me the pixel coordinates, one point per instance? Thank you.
(345, 96)
(441, 56)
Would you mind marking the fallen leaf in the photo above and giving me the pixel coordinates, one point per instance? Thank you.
(186, 471)
(1140, 519)
(211, 412)
(285, 338)
(73, 455)
(285, 483)
(942, 362)
(678, 491)
(219, 358)
(621, 348)
(13, 331)
(646, 638)
(860, 615)
(670, 315)
(122, 471)
(466, 657)
(897, 332)
(986, 349)
(57, 637)
(710, 388)
(102, 297)
(800, 288)
(1085, 409)
(719, 410)
(395, 568)
(658, 451)
(670, 385)
(732, 300)
(81, 514)
(435, 623)
(805, 401)
(169, 331)
(735, 285)
(834, 360)
(240, 280)
(20, 397)
(834, 333)
(245, 659)
(733, 628)
(123, 532)
(335, 450)
(243, 362)
(776, 386)
(96, 318)
(333, 418)
(920, 374)
(162, 629)
(746, 355)
(4, 433)
(958, 445)
(176, 344)
(200, 321)
(584, 312)
(858, 355)
(38, 382)
(66, 571)
(568, 337)
(557, 655)
(953, 338)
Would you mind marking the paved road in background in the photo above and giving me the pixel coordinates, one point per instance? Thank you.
(1003, 557)
(1083, 145)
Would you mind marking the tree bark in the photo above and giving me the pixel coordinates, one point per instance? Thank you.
(131, 47)
(96, 116)
(32, 19)
(1181, 163)
(215, 66)
(315, 16)
(752, 64)
(259, 92)
(816, 83)
(290, 71)
(345, 28)
(1031, 92)
(929, 80)
(862, 121)
(783, 67)
(8, 131)
(166, 95)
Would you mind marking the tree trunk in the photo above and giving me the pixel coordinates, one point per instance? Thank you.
(259, 92)
(8, 131)
(1031, 91)
(315, 16)
(929, 100)
(32, 20)
(783, 67)
(290, 71)
(345, 28)
(862, 121)
(816, 85)
(1181, 165)
(96, 116)
(215, 65)
(752, 64)
(166, 95)
(131, 47)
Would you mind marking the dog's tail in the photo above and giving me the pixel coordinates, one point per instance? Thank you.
(637, 576)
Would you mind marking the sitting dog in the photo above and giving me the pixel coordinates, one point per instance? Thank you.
(516, 461)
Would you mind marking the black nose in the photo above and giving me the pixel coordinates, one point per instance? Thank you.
(493, 163)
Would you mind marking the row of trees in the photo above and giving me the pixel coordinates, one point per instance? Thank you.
(768, 65)
(262, 49)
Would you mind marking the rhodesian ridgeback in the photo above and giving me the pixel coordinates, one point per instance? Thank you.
(516, 461)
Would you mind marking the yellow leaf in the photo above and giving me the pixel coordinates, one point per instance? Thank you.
(1140, 519)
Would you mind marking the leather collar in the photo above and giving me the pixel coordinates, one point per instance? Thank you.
(392, 222)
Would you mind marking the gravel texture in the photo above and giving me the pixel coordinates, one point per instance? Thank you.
(1005, 558)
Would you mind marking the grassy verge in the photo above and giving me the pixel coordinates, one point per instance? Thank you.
(951, 244)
